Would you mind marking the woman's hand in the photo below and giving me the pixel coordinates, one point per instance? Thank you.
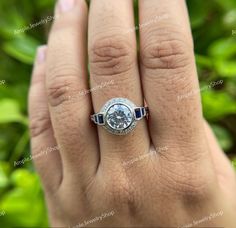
(94, 172)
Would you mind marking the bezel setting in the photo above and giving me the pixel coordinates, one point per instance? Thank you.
(122, 102)
(119, 116)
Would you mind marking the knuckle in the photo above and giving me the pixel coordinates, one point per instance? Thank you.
(63, 84)
(39, 123)
(190, 184)
(192, 188)
(111, 56)
(167, 53)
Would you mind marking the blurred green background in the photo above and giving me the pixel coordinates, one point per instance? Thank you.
(21, 198)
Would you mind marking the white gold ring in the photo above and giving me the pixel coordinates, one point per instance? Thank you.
(119, 116)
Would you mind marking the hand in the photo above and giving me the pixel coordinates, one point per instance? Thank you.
(94, 172)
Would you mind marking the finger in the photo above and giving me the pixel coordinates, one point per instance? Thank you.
(168, 71)
(43, 144)
(224, 171)
(67, 83)
(112, 55)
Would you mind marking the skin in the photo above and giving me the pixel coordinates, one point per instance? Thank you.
(94, 171)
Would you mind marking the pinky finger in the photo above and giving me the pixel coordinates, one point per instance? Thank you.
(44, 147)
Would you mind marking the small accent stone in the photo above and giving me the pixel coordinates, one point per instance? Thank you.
(138, 113)
(100, 118)
(143, 111)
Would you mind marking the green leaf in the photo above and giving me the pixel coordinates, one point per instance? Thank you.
(10, 112)
(217, 105)
(203, 61)
(224, 138)
(24, 199)
(198, 11)
(234, 163)
(226, 4)
(45, 4)
(229, 19)
(23, 178)
(225, 68)
(10, 21)
(223, 48)
(22, 49)
(3, 175)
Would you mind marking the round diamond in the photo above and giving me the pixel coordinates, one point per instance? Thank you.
(119, 116)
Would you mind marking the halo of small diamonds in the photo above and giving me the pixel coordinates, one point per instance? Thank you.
(119, 116)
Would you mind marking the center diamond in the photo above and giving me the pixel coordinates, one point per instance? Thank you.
(119, 116)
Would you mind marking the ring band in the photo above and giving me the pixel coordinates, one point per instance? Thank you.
(119, 116)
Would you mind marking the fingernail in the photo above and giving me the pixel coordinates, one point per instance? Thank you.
(66, 5)
(41, 54)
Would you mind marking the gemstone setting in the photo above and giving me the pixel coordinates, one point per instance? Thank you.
(138, 113)
(119, 117)
(100, 119)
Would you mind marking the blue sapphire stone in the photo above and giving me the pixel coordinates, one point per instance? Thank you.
(143, 111)
(138, 113)
(100, 119)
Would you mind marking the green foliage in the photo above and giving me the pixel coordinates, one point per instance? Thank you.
(23, 200)
(234, 163)
(212, 100)
(21, 196)
(224, 138)
(22, 49)
(10, 112)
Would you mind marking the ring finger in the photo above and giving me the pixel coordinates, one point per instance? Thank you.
(113, 62)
